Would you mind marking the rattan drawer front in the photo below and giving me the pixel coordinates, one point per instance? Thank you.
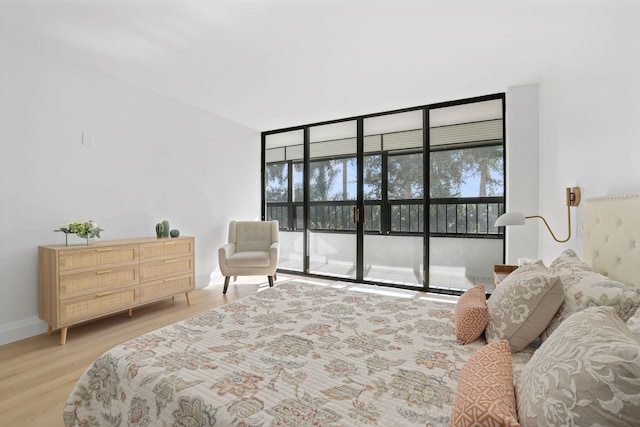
(162, 288)
(97, 304)
(73, 285)
(166, 248)
(164, 268)
(96, 257)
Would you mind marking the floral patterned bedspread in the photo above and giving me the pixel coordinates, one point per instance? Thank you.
(296, 354)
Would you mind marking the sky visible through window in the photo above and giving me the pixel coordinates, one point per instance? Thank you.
(469, 187)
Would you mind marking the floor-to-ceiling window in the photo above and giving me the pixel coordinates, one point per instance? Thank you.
(404, 198)
(284, 193)
(466, 193)
(393, 249)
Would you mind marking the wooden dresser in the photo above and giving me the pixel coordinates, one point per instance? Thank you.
(80, 283)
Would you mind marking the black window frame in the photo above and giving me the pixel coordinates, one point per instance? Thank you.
(426, 234)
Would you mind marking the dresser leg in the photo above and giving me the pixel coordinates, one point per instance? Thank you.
(130, 312)
(49, 330)
(186, 294)
(63, 336)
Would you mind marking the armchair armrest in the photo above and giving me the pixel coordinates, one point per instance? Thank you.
(274, 251)
(226, 251)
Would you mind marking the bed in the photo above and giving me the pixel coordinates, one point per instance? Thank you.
(304, 354)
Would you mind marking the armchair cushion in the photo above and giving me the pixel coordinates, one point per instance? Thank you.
(252, 236)
(249, 259)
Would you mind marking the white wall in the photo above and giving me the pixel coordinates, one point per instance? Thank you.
(523, 169)
(152, 159)
(589, 131)
(588, 108)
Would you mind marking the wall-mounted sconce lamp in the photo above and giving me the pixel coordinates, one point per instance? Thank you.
(518, 218)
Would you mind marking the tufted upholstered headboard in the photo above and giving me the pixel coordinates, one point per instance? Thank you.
(612, 237)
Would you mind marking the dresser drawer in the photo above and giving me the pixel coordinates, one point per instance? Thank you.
(166, 248)
(164, 268)
(166, 287)
(97, 304)
(95, 281)
(97, 257)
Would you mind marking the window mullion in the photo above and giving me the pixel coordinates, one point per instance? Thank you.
(385, 207)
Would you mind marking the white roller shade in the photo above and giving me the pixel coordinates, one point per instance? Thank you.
(274, 155)
(284, 139)
(403, 140)
(337, 148)
(295, 152)
(372, 143)
(490, 130)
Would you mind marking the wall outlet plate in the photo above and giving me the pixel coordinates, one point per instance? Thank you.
(87, 139)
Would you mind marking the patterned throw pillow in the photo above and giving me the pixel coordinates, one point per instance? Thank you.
(485, 394)
(589, 289)
(567, 308)
(634, 324)
(568, 261)
(566, 265)
(586, 373)
(521, 307)
(585, 288)
(472, 315)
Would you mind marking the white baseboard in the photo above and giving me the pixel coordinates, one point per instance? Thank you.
(21, 329)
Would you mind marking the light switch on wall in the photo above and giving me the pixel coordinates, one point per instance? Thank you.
(87, 139)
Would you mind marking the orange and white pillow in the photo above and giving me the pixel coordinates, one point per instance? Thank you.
(485, 394)
(471, 315)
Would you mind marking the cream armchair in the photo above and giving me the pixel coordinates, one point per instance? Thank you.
(252, 250)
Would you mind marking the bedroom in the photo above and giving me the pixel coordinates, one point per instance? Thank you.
(155, 157)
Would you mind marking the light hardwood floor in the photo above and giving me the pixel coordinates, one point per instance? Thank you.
(37, 374)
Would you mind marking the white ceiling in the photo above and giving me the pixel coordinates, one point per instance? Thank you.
(275, 63)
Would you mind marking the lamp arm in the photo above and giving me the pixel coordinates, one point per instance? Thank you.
(549, 228)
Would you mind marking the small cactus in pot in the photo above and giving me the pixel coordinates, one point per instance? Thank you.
(159, 230)
(165, 228)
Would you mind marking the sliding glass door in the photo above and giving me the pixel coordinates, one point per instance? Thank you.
(405, 198)
(333, 196)
(394, 199)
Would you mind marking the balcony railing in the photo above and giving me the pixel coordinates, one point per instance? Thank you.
(466, 217)
(452, 217)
